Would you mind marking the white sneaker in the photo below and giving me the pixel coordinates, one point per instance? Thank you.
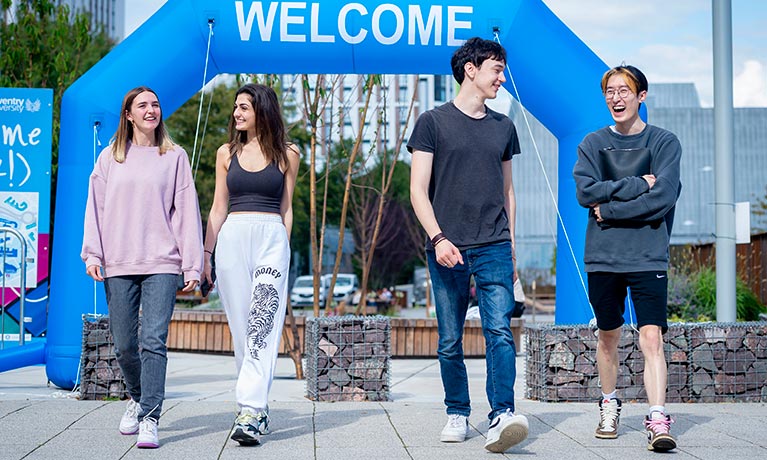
(129, 422)
(505, 431)
(147, 434)
(456, 428)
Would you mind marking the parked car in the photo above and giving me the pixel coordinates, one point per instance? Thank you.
(302, 294)
(346, 285)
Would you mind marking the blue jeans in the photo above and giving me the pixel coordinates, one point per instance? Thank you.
(493, 272)
(144, 371)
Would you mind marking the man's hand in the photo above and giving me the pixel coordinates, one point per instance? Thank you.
(650, 178)
(598, 214)
(447, 254)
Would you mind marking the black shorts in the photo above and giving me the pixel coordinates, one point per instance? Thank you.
(649, 294)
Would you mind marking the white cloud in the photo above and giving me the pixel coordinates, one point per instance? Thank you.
(750, 85)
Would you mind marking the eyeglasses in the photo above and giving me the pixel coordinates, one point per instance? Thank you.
(623, 92)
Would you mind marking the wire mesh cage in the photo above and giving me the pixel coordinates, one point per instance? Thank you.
(348, 358)
(100, 374)
(707, 362)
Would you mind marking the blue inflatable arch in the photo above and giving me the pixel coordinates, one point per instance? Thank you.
(556, 75)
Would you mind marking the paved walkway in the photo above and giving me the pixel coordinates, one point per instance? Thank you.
(38, 422)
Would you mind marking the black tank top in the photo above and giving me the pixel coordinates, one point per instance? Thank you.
(259, 191)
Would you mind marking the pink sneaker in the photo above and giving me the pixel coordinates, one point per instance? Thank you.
(658, 437)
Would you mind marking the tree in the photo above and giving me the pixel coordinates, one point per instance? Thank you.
(182, 125)
(378, 190)
(44, 45)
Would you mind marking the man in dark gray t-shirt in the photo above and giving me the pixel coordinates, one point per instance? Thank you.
(463, 196)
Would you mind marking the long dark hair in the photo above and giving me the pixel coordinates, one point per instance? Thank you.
(270, 129)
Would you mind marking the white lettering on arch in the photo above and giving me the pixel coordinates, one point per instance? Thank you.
(286, 19)
(434, 21)
(342, 23)
(453, 24)
(315, 22)
(256, 12)
(398, 30)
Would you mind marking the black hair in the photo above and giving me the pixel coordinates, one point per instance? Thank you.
(476, 50)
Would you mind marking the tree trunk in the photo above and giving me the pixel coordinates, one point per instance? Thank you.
(294, 351)
(371, 79)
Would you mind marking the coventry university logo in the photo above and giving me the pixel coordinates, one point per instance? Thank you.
(33, 106)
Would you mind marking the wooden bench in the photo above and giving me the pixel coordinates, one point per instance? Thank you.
(208, 331)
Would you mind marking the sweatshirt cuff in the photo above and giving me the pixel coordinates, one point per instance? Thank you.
(93, 260)
(606, 211)
(191, 275)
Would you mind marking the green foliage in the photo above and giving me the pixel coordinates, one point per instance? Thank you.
(45, 46)
(692, 297)
(182, 126)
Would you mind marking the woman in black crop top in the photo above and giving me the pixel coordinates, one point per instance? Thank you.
(249, 227)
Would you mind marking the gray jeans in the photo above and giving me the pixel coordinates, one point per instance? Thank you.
(144, 371)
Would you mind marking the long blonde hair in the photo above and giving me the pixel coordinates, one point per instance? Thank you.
(270, 129)
(124, 131)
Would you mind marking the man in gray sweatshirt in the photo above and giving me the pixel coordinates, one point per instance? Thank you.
(627, 175)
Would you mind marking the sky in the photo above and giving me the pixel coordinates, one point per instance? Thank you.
(669, 40)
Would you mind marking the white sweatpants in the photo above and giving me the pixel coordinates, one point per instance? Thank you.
(252, 261)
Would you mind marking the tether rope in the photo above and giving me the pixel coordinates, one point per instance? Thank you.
(195, 154)
(548, 182)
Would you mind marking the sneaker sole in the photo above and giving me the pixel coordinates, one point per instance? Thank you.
(662, 444)
(147, 445)
(604, 435)
(244, 439)
(452, 438)
(512, 435)
(128, 433)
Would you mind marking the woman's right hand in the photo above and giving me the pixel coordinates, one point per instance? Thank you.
(207, 270)
(94, 271)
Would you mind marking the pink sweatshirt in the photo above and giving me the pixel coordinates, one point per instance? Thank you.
(142, 215)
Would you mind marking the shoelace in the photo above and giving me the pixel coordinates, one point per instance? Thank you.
(659, 426)
(609, 415)
(456, 421)
(149, 425)
(262, 418)
(132, 409)
(246, 418)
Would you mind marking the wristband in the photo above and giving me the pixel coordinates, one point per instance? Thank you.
(438, 239)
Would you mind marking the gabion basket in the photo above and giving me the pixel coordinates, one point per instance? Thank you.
(100, 374)
(707, 362)
(347, 358)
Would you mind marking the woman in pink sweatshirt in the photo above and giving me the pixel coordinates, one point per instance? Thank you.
(142, 229)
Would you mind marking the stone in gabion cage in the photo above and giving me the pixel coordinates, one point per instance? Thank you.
(100, 375)
(347, 358)
(706, 363)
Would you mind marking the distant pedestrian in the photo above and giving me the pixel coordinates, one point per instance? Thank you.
(142, 229)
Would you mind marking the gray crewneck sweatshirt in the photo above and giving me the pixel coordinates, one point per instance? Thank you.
(637, 223)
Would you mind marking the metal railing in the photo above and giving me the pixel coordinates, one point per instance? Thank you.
(22, 283)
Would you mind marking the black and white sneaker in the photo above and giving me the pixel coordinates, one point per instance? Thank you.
(506, 430)
(245, 430)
